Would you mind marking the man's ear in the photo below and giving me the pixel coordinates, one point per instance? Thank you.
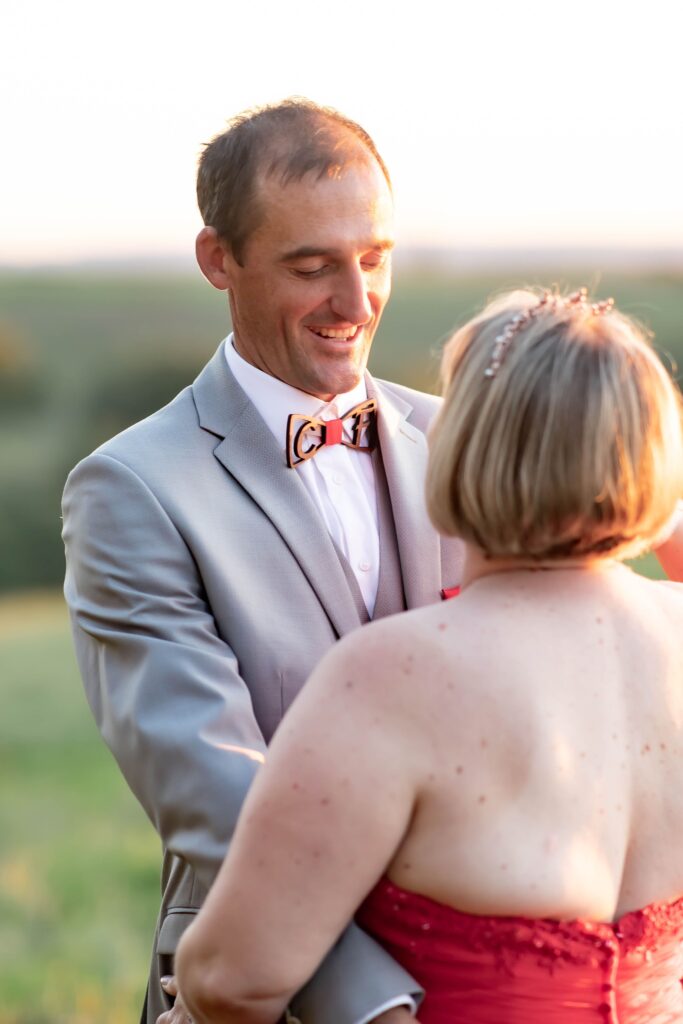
(214, 259)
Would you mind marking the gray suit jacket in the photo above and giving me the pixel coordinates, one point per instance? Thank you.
(203, 590)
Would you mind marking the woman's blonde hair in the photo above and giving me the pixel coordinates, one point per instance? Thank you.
(573, 447)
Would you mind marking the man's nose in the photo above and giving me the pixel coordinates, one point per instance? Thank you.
(351, 301)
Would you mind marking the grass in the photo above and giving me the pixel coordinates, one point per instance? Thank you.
(79, 862)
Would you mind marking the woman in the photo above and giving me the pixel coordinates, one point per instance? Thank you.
(506, 764)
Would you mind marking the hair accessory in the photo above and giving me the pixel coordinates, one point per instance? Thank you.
(518, 322)
(600, 308)
(547, 301)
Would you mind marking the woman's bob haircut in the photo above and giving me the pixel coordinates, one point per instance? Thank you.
(572, 448)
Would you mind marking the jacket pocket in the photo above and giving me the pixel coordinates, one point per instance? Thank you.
(174, 924)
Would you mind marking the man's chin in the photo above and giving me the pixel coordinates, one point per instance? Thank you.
(337, 381)
(340, 385)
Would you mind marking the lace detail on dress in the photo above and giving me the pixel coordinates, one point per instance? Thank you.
(646, 929)
(628, 972)
(578, 941)
(547, 942)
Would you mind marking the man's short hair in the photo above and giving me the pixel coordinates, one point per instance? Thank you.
(574, 447)
(285, 141)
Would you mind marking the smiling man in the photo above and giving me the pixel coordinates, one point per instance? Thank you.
(308, 289)
(216, 550)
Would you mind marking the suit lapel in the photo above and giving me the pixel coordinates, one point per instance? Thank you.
(251, 455)
(404, 455)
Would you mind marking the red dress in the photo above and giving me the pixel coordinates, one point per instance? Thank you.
(520, 970)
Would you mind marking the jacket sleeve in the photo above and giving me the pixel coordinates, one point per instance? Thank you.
(356, 979)
(166, 693)
(164, 688)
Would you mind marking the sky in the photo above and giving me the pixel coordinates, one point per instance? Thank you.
(503, 124)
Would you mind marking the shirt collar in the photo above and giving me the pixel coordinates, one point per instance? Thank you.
(274, 400)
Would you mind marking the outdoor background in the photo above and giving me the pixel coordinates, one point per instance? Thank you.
(536, 143)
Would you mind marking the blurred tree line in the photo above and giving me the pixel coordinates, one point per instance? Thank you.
(83, 357)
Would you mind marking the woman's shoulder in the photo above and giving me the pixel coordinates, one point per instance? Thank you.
(665, 595)
(672, 587)
(388, 655)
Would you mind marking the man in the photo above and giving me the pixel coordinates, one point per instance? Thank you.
(217, 549)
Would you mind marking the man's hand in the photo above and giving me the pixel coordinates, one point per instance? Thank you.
(397, 1015)
(178, 1014)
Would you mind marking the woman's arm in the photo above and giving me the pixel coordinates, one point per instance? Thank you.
(319, 826)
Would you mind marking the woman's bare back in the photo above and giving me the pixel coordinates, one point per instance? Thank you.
(555, 709)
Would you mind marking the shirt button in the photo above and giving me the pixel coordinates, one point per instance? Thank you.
(364, 566)
(336, 478)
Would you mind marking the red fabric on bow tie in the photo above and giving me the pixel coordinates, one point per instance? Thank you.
(307, 435)
(334, 431)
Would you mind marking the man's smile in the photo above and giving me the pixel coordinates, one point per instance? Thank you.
(338, 333)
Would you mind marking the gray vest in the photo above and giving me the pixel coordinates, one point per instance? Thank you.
(390, 595)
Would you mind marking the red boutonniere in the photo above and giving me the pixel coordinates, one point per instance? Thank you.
(448, 592)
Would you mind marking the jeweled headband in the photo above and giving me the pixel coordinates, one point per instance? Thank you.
(552, 303)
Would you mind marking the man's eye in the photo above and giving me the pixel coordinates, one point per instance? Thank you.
(374, 263)
(313, 272)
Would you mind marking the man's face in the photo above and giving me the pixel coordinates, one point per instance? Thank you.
(316, 276)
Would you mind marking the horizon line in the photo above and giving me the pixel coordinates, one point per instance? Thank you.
(433, 256)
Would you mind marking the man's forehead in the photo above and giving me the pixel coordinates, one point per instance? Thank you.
(320, 214)
(301, 252)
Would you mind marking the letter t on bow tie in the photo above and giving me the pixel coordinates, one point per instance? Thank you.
(307, 435)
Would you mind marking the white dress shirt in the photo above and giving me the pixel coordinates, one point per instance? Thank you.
(340, 481)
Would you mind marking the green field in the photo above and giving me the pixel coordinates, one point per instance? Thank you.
(83, 356)
(79, 862)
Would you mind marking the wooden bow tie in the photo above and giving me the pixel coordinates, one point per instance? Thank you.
(307, 435)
